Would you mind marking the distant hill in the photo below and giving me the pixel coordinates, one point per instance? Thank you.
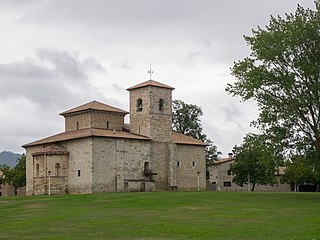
(9, 158)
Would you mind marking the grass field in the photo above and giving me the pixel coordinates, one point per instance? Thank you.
(162, 215)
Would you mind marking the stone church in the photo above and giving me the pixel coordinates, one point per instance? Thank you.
(98, 152)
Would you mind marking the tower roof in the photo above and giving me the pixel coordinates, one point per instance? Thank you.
(94, 105)
(150, 83)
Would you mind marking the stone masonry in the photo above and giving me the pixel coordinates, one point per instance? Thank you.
(98, 152)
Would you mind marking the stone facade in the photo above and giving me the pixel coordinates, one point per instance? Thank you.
(99, 153)
(189, 167)
(7, 190)
(151, 113)
(94, 119)
(220, 179)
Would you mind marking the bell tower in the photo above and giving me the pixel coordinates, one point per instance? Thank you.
(151, 110)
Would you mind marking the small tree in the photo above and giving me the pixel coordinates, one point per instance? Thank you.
(19, 175)
(14, 176)
(255, 162)
(6, 174)
(300, 170)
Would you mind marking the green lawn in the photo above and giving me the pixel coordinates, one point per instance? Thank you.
(162, 215)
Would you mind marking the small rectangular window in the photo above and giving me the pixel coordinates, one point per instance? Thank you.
(227, 184)
(207, 174)
(178, 164)
(79, 173)
(193, 164)
(0, 194)
(229, 172)
(146, 169)
(15, 192)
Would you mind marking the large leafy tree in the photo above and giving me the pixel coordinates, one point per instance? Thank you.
(186, 120)
(282, 74)
(255, 162)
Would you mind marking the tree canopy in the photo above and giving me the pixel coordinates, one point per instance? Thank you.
(299, 171)
(14, 176)
(282, 74)
(255, 162)
(186, 120)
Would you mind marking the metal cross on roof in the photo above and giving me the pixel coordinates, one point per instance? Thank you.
(150, 72)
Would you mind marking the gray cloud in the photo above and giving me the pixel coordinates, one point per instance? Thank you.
(126, 65)
(233, 114)
(216, 25)
(51, 79)
(35, 90)
(192, 45)
(118, 88)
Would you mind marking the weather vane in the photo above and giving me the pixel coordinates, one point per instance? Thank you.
(150, 71)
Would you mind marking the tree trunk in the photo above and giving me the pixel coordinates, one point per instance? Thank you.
(253, 186)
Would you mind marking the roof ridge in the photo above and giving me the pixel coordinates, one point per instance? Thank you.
(150, 83)
(94, 105)
(83, 133)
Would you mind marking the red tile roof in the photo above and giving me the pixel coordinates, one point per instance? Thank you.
(150, 83)
(224, 160)
(52, 149)
(180, 138)
(177, 137)
(83, 133)
(94, 105)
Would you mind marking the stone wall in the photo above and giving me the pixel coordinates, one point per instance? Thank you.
(107, 120)
(190, 159)
(160, 160)
(37, 171)
(161, 120)
(94, 119)
(8, 190)
(151, 121)
(118, 164)
(79, 165)
(139, 120)
(221, 180)
(30, 168)
(83, 120)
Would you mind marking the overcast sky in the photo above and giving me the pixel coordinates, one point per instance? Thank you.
(55, 55)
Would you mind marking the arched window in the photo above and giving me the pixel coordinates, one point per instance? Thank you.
(161, 104)
(37, 170)
(139, 105)
(77, 125)
(107, 124)
(57, 169)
